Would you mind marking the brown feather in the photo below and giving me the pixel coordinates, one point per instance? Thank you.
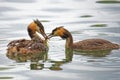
(85, 45)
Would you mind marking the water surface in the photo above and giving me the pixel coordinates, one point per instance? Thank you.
(78, 16)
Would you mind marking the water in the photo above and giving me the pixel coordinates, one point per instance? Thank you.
(75, 15)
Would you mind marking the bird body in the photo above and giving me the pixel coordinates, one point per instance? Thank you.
(84, 45)
(35, 45)
(94, 44)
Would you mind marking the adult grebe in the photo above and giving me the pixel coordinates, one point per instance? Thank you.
(35, 45)
(85, 45)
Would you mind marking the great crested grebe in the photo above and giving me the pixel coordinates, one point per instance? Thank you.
(85, 45)
(35, 45)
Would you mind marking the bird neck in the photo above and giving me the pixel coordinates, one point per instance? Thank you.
(32, 33)
(69, 47)
(69, 41)
(46, 42)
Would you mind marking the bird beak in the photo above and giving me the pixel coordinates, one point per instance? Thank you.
(43, 34)
(50, 36)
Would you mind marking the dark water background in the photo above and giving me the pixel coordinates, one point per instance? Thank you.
(83, 18)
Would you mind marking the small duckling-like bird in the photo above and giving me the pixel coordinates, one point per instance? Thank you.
(35, 45)
(85, 45)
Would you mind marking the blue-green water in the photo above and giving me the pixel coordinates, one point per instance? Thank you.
(83, 18)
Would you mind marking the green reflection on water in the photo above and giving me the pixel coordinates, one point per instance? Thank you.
(68, 54)
(86, 16)
(6, 78)
(36, 66)
(57, 65)
(108, 1)
(4, 68)
(44, 21)
(99, 25)
(97, 53)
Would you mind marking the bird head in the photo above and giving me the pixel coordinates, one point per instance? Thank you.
(59, 31)
(36, 26)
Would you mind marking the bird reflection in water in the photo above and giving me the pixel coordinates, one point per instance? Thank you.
(37, 60)
(97, 53)
(68, 58)
(56, 65)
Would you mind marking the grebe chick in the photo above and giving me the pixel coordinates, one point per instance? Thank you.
(84, 45)
(35, 45)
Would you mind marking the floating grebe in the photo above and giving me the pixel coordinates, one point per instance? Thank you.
(26, 47)
(85, 45)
